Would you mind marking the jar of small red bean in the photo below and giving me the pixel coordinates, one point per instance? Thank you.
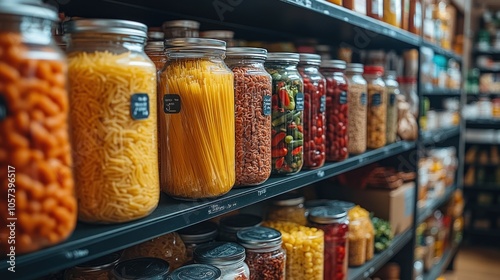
(333, 221)
(376, 122)
(314, 111)
(356, 131)
(336, 109)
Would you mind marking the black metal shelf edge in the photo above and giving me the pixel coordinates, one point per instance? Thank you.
(439, 50)
(442, 134)
(438, 268)
(482, 232)
(441, 92)
(92, 241)
(481, 188)
(483, 123)
(431, 205)
(372, 266)
(485, 208)
(486, 52)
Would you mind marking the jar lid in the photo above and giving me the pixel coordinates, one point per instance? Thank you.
(355, 67)
(219, 253)
(326, 214)
(406, 80)
(283, 56)
(259, 237)
(111, 26)
(185, 44)
(155, 35)
(288, 199)
(217, 34)
(238, 222)
(181, 23)
(195, 272)
(101, 263)
(154, 46)
(31, 8)
(310, 58)
(339, 64)
(346, 205)
(246, 52)
(199, 233)
(142, 268)
(373, 69)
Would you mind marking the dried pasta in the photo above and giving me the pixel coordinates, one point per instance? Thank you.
(115, 156)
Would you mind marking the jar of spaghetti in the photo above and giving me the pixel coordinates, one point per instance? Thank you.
(35, 154)
(288, 207)
(98, 269)
(356, 131)
(314, 128)
(229, 257)
(392, 106)
(112, 85)
(197, 120)
(252, 91)
(230, 225)
(141, 268)
(154, 49)
(375, 9)
(181, 29)
(376, 124)
(195, 235)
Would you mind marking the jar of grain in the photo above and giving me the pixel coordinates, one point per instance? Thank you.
(392, 106)
(357, 109)
(377, 107)
(288, 207)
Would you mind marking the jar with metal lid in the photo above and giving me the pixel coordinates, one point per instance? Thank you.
(97, 269)
(264, 255)
(181, 29)
(195, 235)
(141, 268)
(196, 271)
(314, 127)
(288, 207)
(287, 113)
(230, 225)
(336, 109)
(112, 85)
(154, 49)
(333, 221)
(155, 34)
(376, 123)
(375, 9)
(356, 131)
(252, 95)
(224, 35)
(392, 87)
(35, 152)
(229, 257)
(197, 100)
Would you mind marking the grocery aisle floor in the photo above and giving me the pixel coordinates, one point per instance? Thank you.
(481, 263)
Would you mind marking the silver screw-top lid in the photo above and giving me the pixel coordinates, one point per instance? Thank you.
(235, 52)
(154, 46)
(346, 205)
(259, 237)
(181, 23)
(283, 56)
(217, 34)
(355, 68)
(327, 214)
(142, 268)
(310, 58)
(185, 44)
(154, 35)
(219, 253)
(108, 26)
(199, 233)
(288, 199)
(31, 8)
(195, 272)
(338, 64)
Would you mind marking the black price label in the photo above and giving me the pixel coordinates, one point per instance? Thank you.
(266, 105)
(322, 105)
(343, 97)
(171, 103)
(363, 99)
(299, 101)
(376, 99)
(392, 99)
(139, 106)
(3, 108)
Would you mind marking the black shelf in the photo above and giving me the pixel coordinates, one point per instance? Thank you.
(373, 265)
(92, 241)
(439, 267)
(483, 232)
(491, 52)
(485, 208)
(483, 123)
(441, 92)
(438, 50)
(432, 204)
(482, 188)
(440, 135)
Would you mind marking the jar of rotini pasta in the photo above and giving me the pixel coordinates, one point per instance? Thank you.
(197, 120)
(112, 85)
(35, 155)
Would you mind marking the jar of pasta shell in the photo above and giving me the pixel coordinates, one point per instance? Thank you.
(98, 269)
(196, 120)
(112, 84)
(35, 152)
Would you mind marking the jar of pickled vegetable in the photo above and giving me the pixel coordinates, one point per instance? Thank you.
(333, 221)
(392, 87)
(195, 235)
(314, 124)
(230, 225)
(154, 49)
(97, 269)
(356, 131)
(287, 106)
(196, 271)
(181, 29)
(197, 122)
(35, 152)
(288, 207)
(227, 256)
(141, 268)
(113, 117)
(375, 9)
(376, 124)
(336, 109)
(252, 94)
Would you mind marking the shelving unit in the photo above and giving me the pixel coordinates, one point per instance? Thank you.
(442, 264)
(432, 204)
(442, 92)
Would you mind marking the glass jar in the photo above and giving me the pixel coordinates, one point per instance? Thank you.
(408, 87)
(288, 207)
(230, 225)
(496, 108)
(168, 247)
(195, 235)
(35, 153)
(252, 94)
(333, 221)
(287, 106)
(196, 271)
(376, 124)
(224, 35)
(375, 9)
(141, 268)
(181, 29)
(227, 256)
(112, 117)
(358, 6)
(357, 243)
(415, 17)
(154, 50)
(336, 109)
(392, 87)
(356, 131)
(392, 12)
(337, 2)
(197, 99)
(97, 269)
(314, 126)
(264, 255)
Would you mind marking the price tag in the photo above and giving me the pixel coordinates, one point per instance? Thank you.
(299, 101)
(139, 106)
(376, 99)
(171, 103)
(343, 98)
(322, 104)
(266, 105)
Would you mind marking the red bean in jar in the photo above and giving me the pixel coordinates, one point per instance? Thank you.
(314, 111)
(336, 109)
(333, 221)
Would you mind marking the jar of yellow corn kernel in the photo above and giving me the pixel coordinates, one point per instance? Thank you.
(288, 208)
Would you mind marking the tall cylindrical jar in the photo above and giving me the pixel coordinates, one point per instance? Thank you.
(112, 86)
(35, 153)
(196, 121)
(376, 123)
(227, 256)
(287, 106)
(314, 127)
(252, 95)
(336, 109)
(392, 106)
(357, 109)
